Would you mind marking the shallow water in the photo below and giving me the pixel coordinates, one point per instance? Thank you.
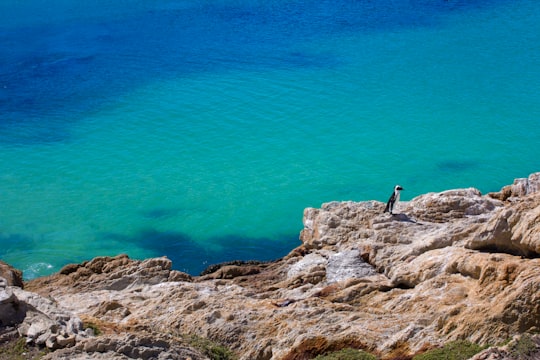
(201, 130)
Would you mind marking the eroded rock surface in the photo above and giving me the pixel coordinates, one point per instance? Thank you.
(41, 321)
(12, 276)
(451, 265)
(128, 346)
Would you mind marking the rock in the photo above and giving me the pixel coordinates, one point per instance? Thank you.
(8, 334)
(514, 228)
(47, 323)
(450, 204)
(450, 265)
(347, 265)
(520, 188)
(110, 273)
(322, 228)
(38, 319)
(12, 311)
(39, 326)
(521, 347)
(65, 341)
(526, 186)
(128, 346)
(11, 275)
(232, 271)
(308, 265)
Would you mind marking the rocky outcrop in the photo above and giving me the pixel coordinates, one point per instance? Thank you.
(521, 347)
(450, 265)
(128, 346)
(106, 273)
(39, 319)
(12, 311)
(46, 323)
(12, 276)
(520, 188)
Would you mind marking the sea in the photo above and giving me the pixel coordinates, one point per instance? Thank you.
(201, 129)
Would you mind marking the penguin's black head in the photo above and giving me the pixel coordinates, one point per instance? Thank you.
(398, 188)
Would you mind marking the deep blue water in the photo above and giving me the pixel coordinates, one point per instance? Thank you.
(200, 130)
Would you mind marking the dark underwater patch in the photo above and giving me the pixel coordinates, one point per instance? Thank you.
(14, 243)
(453, 166)
(189, 256)
(160, 213)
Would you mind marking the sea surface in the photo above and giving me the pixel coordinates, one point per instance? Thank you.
(200, 130)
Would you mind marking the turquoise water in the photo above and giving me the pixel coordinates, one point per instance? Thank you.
(200, 130)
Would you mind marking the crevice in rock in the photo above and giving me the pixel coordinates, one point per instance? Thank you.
(215, 267)
(402, 285)
(494, 249)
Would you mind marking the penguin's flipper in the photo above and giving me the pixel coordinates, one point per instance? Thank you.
(390, 203)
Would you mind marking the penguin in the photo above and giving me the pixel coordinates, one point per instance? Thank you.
(393, 199)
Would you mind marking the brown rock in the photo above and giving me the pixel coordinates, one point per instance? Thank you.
(128, 346)
(12, 275)
(12, 311)
(109, 273)
(514, 228)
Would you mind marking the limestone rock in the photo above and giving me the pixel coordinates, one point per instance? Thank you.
(12, 311)
(514, 228)
(520, 188)
(38, 319)
(128, 346)
(110, 273)
(348, 265)
(12, 276)
(46, 323)
(522, 347)
(447, 266)
(451, 204)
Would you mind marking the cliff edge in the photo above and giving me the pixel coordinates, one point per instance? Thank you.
(448, 266)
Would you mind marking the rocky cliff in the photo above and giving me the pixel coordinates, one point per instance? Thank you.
(450, 265)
